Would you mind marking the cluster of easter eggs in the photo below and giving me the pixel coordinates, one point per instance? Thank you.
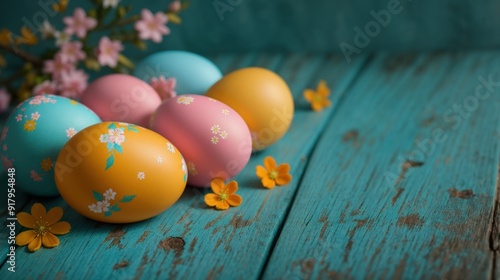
(122, 155)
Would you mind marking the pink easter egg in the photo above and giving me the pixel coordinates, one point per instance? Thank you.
(122, 98)
(212, 137)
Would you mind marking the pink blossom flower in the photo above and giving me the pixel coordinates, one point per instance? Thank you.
(107, 52)
(73, 83)
(152, 26)
(79, 24)
(35, 176)
(110, 3)
(72, 52)
(4, 100)
(164, 87)
(174, 6)
(57, 67)
(19, 117)
(6, 162)
(4, 133)
(47, 87)
(70, 132)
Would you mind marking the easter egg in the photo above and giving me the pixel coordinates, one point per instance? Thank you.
(262, 98)
(121, 97)
(120, 173)
(194, 74)
(33, 135)
(213, 138)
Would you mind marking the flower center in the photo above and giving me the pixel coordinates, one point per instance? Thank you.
(223, 196)
(41, 227)
(318, 98)
(273, 174)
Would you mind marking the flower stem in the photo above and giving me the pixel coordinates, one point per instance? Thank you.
(117, 23)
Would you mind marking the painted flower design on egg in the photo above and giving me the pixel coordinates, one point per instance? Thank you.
(35, 176)
(170, 148)
(114, 140)
(225, 112)
(186, 100)
(192, 169)
(70, 132)
(141, 175)
(219, 134)
(47, 164)
(104, 200)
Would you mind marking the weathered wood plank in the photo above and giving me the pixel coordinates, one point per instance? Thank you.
(400, 185)
(188, 240)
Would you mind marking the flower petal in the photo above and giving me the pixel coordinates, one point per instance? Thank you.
(60, 228)
(283, 179)
(25, 237)
(269, 163)
(261, 171)
(327, 103)
(222, 205)
(211, 199)
(234, 200)
(283, 168)
(35, 244)
(232, 187)
(268, 183)
(217, 185)
(49, 240)
(38, 211)
(323, 89)
(317, 106)
(26, 220)
(309, 94)
(54, 215)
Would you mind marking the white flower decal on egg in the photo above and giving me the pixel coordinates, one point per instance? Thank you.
(159, 159)
(170, 148)
(103, 202)
(211, 99)
(223, 134)
(70, 132)
(225, 112)
(141, 175)
(114, 140)
(215, 140)
(186, 100)
(109, 194)
(35, 116)
(19, 118)
(215, 129)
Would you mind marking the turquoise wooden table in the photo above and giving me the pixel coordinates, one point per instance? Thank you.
(398, 179)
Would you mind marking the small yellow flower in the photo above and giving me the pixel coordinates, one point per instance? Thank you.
(27, 37)
(61, 6)
(272, 175)
(224, 195)
(43, 227)
(47, 164)
(5, 37)
(30, 125)
(319, 98)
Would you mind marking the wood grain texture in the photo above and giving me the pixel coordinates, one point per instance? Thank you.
(379, 200)
(190, 241)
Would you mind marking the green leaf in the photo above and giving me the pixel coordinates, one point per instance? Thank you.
(118, 148)
(132, 128)
(97, 196)
(110, 161)
(127, 198)
(112, 126)
(114, 208)
(107, 213)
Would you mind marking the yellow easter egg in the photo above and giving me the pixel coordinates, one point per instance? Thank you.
(263, 100)
(120, 173)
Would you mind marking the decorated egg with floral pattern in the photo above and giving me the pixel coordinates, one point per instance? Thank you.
(120, 173)
(33, 135)
(213, 138)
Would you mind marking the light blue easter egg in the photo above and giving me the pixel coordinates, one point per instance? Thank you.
(194, 74)
(33, 135)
